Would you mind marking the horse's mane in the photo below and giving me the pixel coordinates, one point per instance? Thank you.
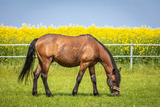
(117, 74)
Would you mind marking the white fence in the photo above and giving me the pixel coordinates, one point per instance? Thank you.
(131, 56)
(131, 51)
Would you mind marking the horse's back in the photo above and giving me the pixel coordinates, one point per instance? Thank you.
(68, 50)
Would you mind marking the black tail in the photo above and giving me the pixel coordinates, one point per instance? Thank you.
(29, 60)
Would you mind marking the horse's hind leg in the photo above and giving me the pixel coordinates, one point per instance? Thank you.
(36, 75)
(45, 68)
(93, 78)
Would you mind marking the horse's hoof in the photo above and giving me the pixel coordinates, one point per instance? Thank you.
(96, 94)
(35, 94)
(49, 95)
(74, 93)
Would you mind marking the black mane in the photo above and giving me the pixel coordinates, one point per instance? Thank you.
(117, 74)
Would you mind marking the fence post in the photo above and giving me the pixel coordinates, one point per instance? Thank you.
(131, 59)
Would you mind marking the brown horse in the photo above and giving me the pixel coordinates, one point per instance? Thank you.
(83, 50)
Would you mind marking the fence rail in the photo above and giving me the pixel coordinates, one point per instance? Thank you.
(131, 56)
(132, 44)
(14, 44)
(131, 50)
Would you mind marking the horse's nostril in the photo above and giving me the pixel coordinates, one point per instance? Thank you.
(115, 94)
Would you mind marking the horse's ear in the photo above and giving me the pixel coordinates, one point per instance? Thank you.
(119, 69)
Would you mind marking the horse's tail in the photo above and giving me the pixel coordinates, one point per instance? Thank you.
(29, 60)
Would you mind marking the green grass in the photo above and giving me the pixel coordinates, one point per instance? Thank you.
(140, 87)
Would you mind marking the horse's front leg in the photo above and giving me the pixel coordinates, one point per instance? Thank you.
(93, 78)
(79, 78)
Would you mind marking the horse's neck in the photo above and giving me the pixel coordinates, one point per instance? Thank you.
(106, 60)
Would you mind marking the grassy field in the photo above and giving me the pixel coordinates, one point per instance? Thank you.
(140, 87)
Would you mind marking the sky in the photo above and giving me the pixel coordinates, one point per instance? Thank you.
(116, 13)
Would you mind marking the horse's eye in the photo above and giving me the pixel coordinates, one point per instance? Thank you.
(114, 81)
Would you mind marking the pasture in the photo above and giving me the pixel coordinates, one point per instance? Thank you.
(139, 87)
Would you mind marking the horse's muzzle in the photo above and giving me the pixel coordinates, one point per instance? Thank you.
(115, 91)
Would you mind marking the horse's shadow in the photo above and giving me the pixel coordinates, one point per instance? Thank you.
(67, 94)
(79, 94)
(70, 94)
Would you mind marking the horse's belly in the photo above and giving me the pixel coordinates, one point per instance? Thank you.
(67, 62)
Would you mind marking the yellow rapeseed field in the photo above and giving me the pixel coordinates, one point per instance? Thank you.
(106, 34)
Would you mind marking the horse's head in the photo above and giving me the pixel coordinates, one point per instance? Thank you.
(113, 81)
